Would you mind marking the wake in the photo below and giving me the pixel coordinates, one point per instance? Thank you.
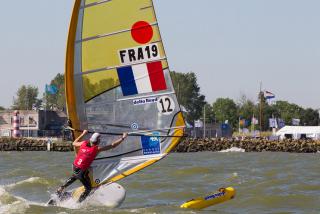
(233, 149)
(10, 203)
(106, 196)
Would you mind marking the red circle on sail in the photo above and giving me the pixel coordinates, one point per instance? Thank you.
(142, 32)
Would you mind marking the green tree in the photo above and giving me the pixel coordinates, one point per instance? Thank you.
(226, 109)
(57, 100)
(2, 108)
(188, 94)
(210, 118)
(246, 108)
(287, 111)
(26, 97)
(310, 117)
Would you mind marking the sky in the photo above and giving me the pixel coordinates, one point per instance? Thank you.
(231, 45)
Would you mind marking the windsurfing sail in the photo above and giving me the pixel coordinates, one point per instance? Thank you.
(118, 80)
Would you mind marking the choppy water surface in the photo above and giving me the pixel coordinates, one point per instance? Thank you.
(265, 183)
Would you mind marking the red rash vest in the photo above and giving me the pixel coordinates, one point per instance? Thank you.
(85, 156)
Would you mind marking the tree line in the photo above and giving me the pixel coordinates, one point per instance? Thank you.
(27, 96)
(226, 109)
(192, 101)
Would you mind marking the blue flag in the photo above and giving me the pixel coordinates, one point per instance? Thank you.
(281, 123)
(51, 89)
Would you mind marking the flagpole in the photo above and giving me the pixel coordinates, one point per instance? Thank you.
(260, 95)
(45, 109)
(274, 126)
(204, 121)
(252, 123)
(195, 130)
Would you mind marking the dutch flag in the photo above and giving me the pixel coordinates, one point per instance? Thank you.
(142, 78)
(269, 95)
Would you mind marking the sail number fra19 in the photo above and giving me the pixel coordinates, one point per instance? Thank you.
(139, 54)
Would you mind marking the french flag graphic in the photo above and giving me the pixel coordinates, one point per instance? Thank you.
(142, 78)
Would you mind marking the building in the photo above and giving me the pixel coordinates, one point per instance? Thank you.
(299, 132)
(34, 123)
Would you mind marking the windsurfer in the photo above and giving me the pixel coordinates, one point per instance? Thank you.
(88, 150)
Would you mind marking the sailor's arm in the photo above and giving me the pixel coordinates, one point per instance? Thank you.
(76, 142)
(114, 144)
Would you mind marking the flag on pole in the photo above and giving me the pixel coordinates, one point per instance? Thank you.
(254, 121)
(51, 89)
(189, 125)
(295, 122)
(247, 123)
(273, 123)
(268, 95)
(281, 123)
(198, 123)
(242, 122)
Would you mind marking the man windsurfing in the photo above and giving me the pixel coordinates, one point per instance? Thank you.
(87, 151)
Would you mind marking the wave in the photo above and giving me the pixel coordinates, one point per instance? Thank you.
(32, 180)
(15, 207)
(8, 204)
(15, 204)
(233, 149)
(2, 191)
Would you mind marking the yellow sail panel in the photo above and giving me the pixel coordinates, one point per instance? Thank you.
(115, 16)
(104, 52)
(92, 1)
(99, 82)
(176, 132)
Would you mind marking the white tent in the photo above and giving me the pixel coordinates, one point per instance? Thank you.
(297, 132)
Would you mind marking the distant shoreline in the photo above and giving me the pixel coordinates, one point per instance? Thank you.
(33, 144)
(187, 145)
(248, 144)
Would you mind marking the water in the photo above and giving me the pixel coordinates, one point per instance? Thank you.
(265, 183)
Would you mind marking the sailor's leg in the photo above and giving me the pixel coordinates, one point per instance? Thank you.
(66, 184)
(70, 180)
(85, 180)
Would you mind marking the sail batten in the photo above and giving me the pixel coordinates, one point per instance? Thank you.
(95, 4)
(109, 34)
(147, 7)
(144, 96)
(115, 67)
(120, 82)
